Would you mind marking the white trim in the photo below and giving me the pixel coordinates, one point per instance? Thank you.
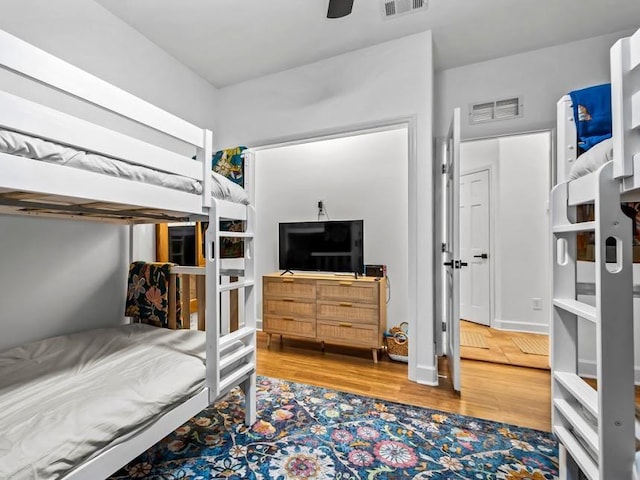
(333, 133)
(517, 326)
(408, 122)
(427, 375)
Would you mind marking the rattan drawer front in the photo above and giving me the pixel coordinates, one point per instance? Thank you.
(289, 307)
(348, 291)
(289, 287)
(347, 312)
(346, 333)
(296, 327)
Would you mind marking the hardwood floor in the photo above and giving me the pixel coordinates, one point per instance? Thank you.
(501, 347)
(502, 393)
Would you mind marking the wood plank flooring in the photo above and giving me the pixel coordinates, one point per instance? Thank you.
(501, 347)
(501, 393)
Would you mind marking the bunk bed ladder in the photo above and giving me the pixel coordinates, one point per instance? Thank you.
(595, 427)
(233, 353)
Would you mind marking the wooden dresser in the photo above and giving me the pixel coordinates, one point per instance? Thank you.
(327, 308)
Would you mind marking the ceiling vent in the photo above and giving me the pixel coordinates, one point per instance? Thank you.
(495, 110)
(397, 8)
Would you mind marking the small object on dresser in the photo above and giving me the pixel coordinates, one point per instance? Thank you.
(397, 341)
(375, 271)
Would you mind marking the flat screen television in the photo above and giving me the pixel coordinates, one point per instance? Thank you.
(332, 246)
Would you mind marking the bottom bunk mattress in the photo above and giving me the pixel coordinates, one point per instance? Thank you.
(34, 148)
(66, 398)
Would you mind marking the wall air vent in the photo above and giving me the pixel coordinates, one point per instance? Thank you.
(495, 110)
(396, 8)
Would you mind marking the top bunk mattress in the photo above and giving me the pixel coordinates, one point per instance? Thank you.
(592, 159)
(35, 148)
(65, 398)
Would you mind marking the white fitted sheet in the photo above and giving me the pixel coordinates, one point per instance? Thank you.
(26, 146)
(65, 398)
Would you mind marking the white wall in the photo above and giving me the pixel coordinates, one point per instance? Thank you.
(60, 276)
(520, 167)
(290, 181)
(390, 80)
(540, 76)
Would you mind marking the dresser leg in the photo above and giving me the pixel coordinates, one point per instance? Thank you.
(268, 340)
(322, 346)
(374, 351)
(281, 341)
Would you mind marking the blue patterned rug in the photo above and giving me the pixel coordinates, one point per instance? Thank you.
(306, 432)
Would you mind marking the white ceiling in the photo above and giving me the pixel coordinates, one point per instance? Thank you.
(229, 41)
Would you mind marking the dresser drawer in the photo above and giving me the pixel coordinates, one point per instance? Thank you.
(287, 325)
(347, 312)
(348, 291)
(289, 287)
(289, 307)
(346, 333)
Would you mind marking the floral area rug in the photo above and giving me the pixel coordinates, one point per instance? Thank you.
(306, 432)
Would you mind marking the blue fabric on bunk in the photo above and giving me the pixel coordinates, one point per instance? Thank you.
(592, 113)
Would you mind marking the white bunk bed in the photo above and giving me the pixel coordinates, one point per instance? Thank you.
(34, 187)
(596, 427)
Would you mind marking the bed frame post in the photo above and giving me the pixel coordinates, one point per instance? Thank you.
(250, 311)
(614, 331)
(567, 139)
(212, 269)
(624, 142)
(204, 155)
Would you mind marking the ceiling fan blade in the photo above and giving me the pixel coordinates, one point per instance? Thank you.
(339, 8)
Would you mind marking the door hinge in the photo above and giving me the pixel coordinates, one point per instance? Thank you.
(444, 169)
(444, 326)
(444, 247)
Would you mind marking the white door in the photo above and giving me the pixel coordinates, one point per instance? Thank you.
(451, 252)
(475, 282)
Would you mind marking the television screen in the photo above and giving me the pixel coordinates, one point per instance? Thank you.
(332, 246)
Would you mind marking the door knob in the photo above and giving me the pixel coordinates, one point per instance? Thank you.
(483, 256)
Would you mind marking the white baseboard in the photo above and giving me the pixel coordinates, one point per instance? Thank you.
(588, 368)
(516, 326)
(427, 374)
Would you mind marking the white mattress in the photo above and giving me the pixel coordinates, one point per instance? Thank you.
(592, 159)
(65, 398)
(38, 149)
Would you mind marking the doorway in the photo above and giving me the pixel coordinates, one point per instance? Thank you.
(364, 176)
(508, 305)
